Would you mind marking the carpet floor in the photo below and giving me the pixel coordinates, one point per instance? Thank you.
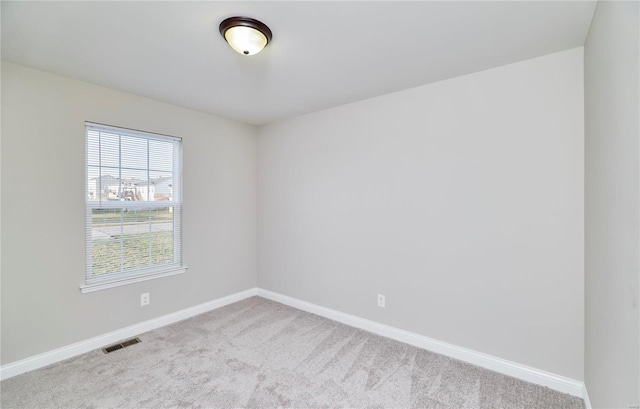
(258, 353)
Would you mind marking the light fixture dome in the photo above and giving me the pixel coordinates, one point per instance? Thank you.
(246, 35)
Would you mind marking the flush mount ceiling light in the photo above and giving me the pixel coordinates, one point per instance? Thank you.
(246, 35)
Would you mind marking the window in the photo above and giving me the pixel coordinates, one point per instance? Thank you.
(133, 206)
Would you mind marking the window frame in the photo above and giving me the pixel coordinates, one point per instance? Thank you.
(115, 279)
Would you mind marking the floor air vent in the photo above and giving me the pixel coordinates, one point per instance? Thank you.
(121, 345)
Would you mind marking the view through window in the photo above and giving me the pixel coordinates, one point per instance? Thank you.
(133, 203)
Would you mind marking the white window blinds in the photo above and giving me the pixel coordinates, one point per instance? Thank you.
(133, 203)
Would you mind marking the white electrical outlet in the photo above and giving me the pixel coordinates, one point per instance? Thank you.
(381, 301)
(144, 299)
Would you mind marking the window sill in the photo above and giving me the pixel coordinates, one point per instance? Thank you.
(89, 288)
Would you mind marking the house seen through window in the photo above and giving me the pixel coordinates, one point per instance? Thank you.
(133, 204)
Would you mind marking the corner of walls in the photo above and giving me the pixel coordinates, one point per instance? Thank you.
(612, 205)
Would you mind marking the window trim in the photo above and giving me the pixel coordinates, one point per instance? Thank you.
(118, 279)
(130, 279)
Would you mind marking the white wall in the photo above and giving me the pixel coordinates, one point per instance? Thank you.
(612, 230)
(43, 211)
(461, 201)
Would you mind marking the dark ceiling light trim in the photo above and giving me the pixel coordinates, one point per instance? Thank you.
(246, 35)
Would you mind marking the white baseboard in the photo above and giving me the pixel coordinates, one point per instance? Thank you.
(69, 351)
(523, 372)
(526, 373)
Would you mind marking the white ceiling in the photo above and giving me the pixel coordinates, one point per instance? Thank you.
(323, 54)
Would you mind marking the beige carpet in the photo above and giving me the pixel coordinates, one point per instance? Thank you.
(260, 354)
